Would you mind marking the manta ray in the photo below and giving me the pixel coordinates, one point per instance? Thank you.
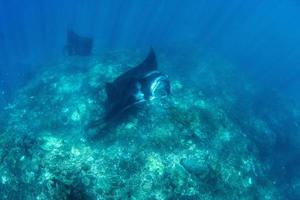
(136, 86)
(78, 45)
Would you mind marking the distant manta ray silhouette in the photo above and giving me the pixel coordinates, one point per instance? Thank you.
(78, 45)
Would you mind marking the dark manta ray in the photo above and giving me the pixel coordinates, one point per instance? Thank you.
(136, 86)
(78, 45)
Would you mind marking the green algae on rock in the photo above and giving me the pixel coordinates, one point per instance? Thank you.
(182, 147)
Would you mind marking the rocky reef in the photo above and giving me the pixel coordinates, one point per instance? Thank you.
(183, 147)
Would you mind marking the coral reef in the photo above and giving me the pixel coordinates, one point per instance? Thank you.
(184, 147)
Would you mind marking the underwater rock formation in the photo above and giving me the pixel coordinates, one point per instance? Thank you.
(195, 166)
(182, 147)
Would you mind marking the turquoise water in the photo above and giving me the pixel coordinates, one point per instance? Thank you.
(228, 130)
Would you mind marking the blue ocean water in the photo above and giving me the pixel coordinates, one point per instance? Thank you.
(261, 39)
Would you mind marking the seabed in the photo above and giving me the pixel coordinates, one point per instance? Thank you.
(184, 147)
